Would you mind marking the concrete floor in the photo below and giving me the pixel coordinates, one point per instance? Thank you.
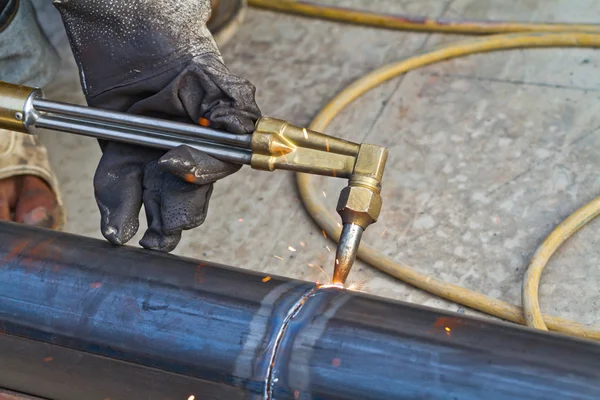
(488, 153)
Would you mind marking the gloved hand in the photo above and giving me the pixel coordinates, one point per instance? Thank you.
(155, 58)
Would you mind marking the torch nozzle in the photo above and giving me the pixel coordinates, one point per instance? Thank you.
(346, 252)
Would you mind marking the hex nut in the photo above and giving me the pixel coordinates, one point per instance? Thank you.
(359, 205)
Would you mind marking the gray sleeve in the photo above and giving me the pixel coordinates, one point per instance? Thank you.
(26, 55)
(117, 42)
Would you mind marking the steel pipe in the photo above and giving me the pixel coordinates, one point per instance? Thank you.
(156, 140)
(130, 121)
(80, 319)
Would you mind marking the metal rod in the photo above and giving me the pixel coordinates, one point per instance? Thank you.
(65, 124)
(81, 319)
(154, 124)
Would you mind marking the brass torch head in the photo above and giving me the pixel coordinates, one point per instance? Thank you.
(359, 206)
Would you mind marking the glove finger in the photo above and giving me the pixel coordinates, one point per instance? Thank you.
(155, 237)
(232, 120)
(118, 191)
(184, 206)
(195, 166)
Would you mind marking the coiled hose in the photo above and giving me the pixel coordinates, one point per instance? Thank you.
(527, 35)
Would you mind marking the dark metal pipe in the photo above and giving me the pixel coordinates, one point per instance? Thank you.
(81, 319)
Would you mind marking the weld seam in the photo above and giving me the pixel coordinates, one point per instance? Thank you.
(294, 310)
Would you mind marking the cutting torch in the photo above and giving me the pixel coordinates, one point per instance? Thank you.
(275, 145)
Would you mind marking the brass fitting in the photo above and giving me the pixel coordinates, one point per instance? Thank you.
(360, 202)
(359, 205)
(16, 109)
(277, 144)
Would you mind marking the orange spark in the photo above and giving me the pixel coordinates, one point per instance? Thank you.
(240, 219)
(206, 123)
(266, 279)
(277, 257)
(302, 244)
(328, 249)
(324, 234)
(305, 133)
(192, 397)
(336, 362)
(334, 173)
(383, 233)
(320, 270)
(48, 359)
(296, 394)
(447, 329)
(311, 264)
(290, 248)
(96, 285)
(327, 144)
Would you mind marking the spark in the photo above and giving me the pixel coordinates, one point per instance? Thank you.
(324, 234)
(334, 173)
(204, 122)
(302, 244)
(339, 225)
(305, 133)
(327, 144)
(336, 362)
(277, 257)
(324, 194)
(266, 279)
(240, 219)
(358, 285)
(192, 397)
(320, 270)
(96, 285)
(447, 329)
(337, 262)
(296, 394)
(290, 248)
(383, 233)
(48, 359)
(327, 247)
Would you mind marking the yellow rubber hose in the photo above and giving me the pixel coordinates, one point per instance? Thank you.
(411, 23)
(531, 281)
(328, 221)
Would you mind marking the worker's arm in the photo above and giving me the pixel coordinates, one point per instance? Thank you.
(156, 58)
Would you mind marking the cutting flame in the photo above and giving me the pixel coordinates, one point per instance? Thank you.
(330, 285)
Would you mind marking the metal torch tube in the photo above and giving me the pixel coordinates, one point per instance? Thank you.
(346, 252)
(156, 140)
(81, 319)
(154, 124)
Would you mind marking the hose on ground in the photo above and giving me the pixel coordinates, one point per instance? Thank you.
(528, 36)
(412, 23)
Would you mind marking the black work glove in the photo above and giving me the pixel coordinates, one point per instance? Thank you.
(155, 58)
